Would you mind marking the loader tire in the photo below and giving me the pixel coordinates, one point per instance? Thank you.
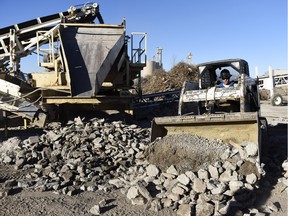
(277, 100)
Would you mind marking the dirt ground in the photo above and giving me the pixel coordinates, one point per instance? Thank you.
(271, 191)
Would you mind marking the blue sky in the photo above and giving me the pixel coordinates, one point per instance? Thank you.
(255, 30)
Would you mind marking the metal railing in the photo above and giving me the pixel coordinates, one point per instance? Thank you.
(155, 99)
(138, 47)
(47, 47)
(281, 80)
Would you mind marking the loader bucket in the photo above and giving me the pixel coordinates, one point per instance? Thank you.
(233, 128)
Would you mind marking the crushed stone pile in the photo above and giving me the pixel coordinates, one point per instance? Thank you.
(79, 156)
(100, 155)
(185, 152)
(171, 80)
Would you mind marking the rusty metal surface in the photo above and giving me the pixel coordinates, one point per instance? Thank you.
(90, 54)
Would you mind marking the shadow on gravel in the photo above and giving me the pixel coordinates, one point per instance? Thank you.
(273, 155)
(15, 190)
(107, 208)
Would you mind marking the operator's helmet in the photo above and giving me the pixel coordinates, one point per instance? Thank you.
(225, 74)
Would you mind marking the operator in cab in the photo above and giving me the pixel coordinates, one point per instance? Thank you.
(225, 76)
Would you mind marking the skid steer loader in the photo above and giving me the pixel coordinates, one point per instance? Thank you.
(231, 114)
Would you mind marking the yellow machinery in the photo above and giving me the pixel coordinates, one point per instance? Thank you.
(87, 65)
(231, 114)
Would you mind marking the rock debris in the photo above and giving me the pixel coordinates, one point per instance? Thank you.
(189, 174)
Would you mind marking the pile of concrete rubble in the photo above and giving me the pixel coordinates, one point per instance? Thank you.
(101, 155)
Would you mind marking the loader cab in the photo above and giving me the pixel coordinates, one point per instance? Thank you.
(210, 72)
(217, 99)
(206, 97)
(210, 77)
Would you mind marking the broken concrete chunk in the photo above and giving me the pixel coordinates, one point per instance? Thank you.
(184, 210)
(138, 201)
(183, 179)
(33, 139)
(235, 185)
(251, 178)
(132, 192)
(203, 174)
(213, 171)
(152, 170)
(154, 205)
(251, 149)
(143, 191)
(199, 186)
(178, 190)
(172, 170)
(95, 210)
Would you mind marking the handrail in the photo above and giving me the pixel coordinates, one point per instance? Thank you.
(139, 53)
